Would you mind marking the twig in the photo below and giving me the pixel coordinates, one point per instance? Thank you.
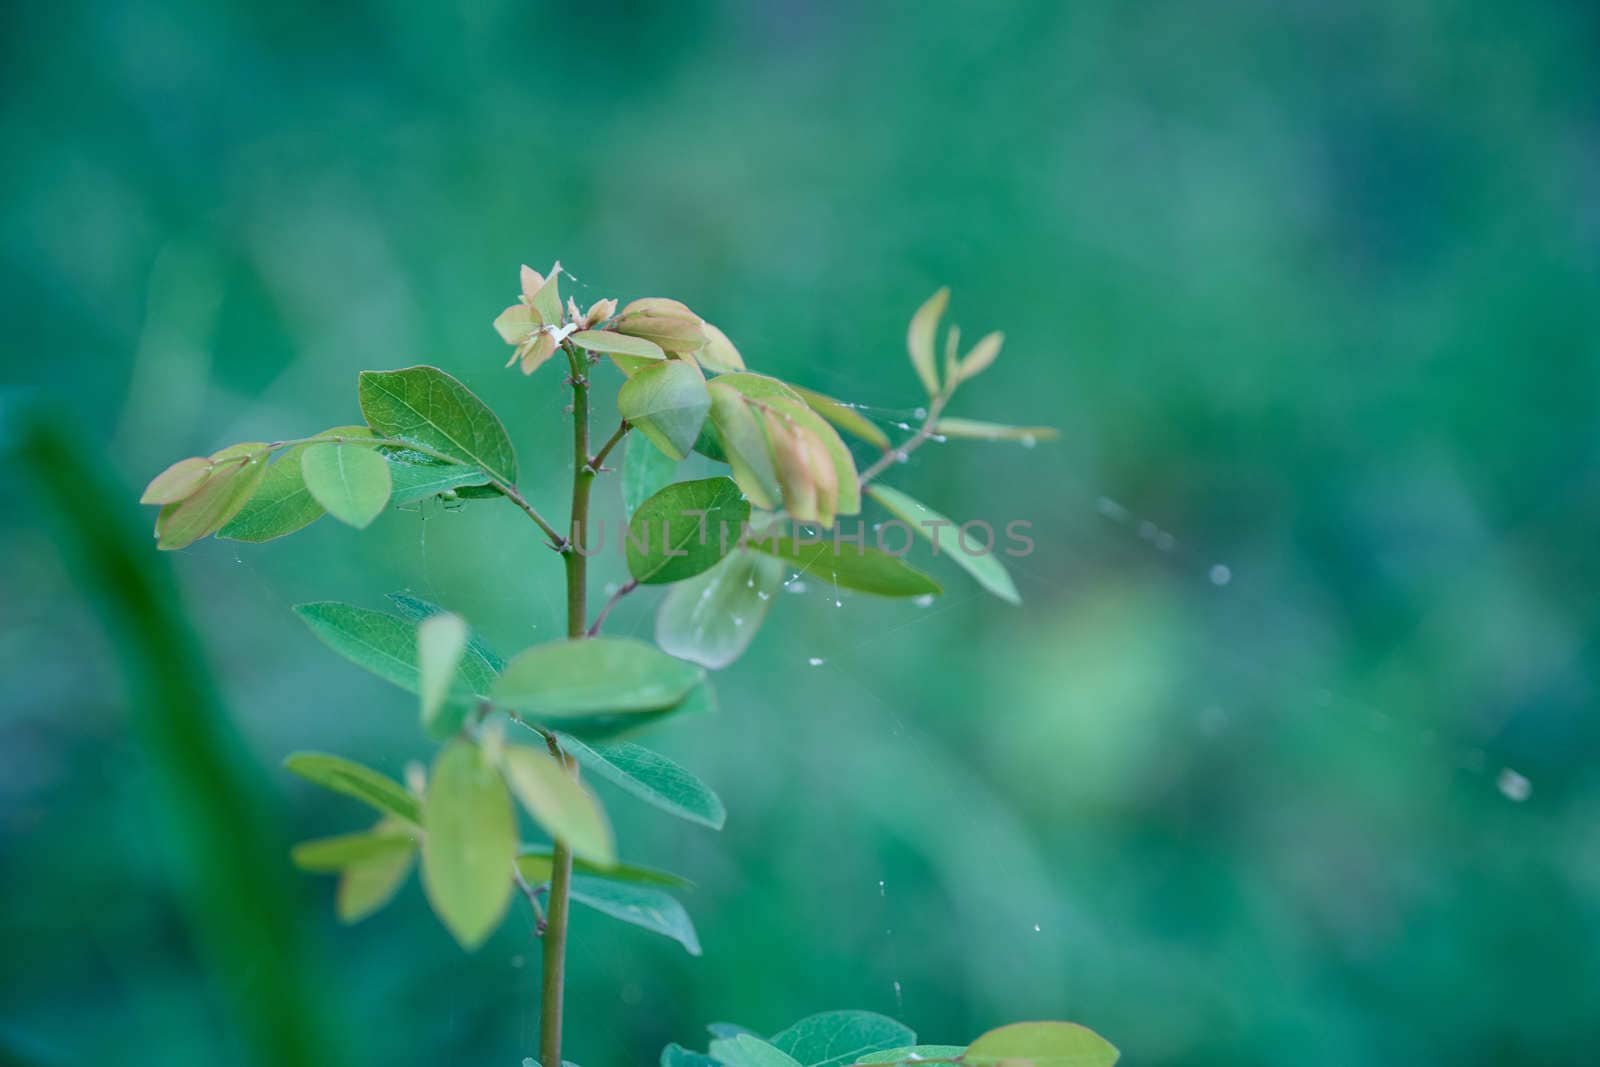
(915, 441)
(599, 620)
(605, 449)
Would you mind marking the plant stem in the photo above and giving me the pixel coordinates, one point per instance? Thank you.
(915, 441)
(555, 933)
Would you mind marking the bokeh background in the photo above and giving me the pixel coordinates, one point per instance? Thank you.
(1289, 755)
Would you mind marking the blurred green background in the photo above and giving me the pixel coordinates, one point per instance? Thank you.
(1289, 754)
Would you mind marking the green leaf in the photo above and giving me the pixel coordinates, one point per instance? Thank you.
(348, 850)
(574, 679)
(364, 888)
(667, 403)
(685, 529)
(618, 344)
(652, 778)
(869, 571)
(759, 386)
(646, 471)
(350, 481)
(470, 844)
(535, 862)
(418, 477)
(488, 662)
(441, 643)
(353, 780)
(730, 1030)
(711, 618)
(919, 339)
(836, 1038)
(678, 1056)
(559, 804)
(709, 443)
(748, 1050)
(384, 645)
(946, 537)
(219, 499)
(1042, 1045)
(642, 906)
(914, 1052)
(1027, 436)
(845, 417)
(280, 505)
(426, 405)
(742, 440)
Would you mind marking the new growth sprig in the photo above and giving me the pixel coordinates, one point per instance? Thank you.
(517, 733)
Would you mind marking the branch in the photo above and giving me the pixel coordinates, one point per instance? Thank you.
(605, 449)
(623, 590)
(914, 442)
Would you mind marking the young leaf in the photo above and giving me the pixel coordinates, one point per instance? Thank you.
(742, 437)
(667, 403)
(837, 1038)
(652, 778)
(748, 1050)
(994, 431)
(685, 529)
(219, 499)
(353, 780)
(546, 299)
(919, 339)
(281, 504)
(364, 888)
(712, 618)
(642, 906)
(869, 571)
(470, 844)
(350, 481)
(559, 804)
(382, 644)
(177, 482)
(645, 471)
(845, 417)
(913, 1053)
(1043, 1045)
(719, 356)
(758, 386)
(630, 354)
(348, 850)
(573, 679)
(847, 485)
(441, 642)
(987, 568)
(983, 353)
(428, 406)
(535, 863)
(798, 455)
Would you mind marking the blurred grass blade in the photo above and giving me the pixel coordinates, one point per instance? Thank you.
(228, 863)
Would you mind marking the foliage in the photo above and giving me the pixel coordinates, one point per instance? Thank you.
(721, 545)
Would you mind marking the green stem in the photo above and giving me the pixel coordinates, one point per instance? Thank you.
(574, 553)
